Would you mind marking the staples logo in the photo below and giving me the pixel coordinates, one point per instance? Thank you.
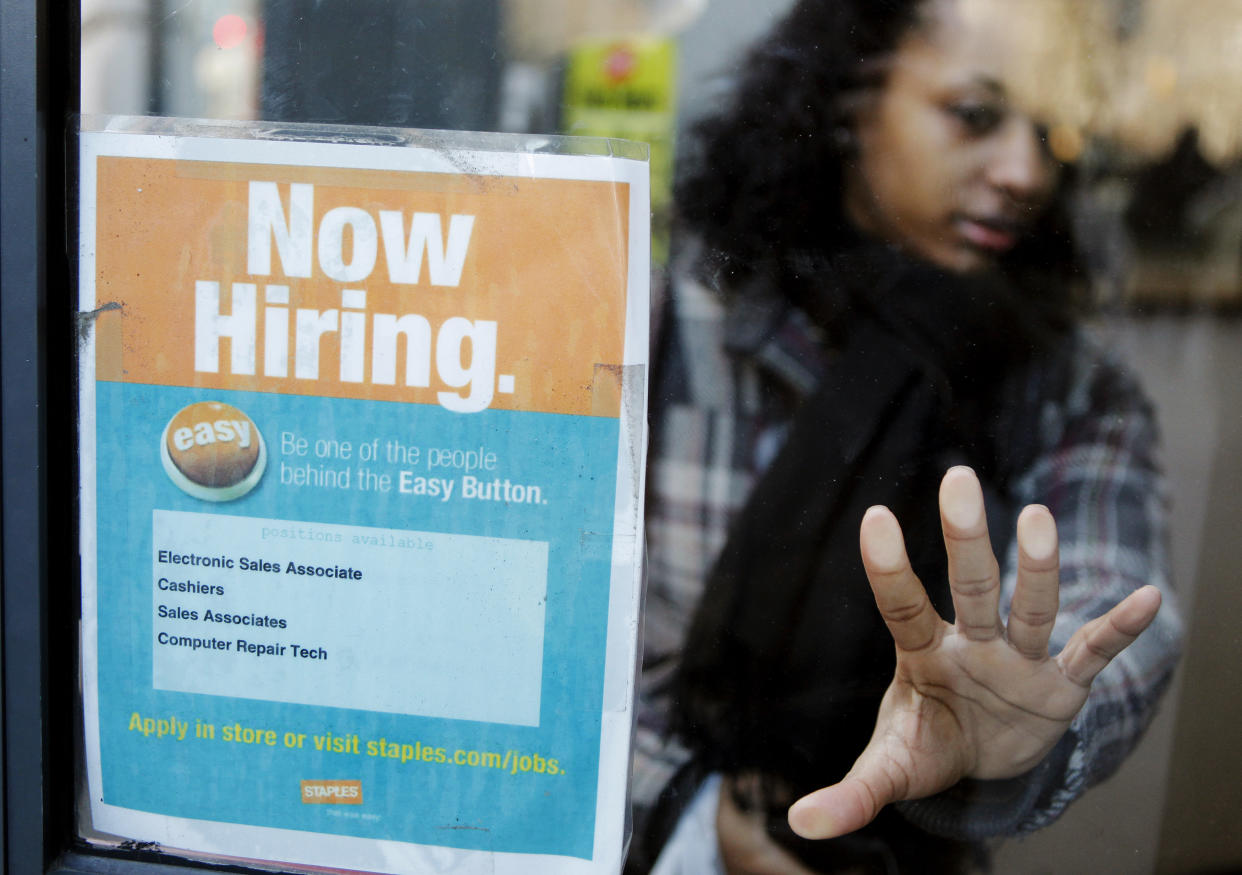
(332, 792)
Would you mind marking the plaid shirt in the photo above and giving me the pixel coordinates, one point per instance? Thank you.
(1096, 470)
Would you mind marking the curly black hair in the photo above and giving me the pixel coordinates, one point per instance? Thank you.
(766, 173)
(762, 181)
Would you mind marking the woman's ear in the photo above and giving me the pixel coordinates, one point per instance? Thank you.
(856, 107)
(843, 141)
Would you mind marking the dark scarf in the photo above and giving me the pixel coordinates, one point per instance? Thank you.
(787, 656)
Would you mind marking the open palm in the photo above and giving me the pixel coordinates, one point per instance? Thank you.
(976, 698)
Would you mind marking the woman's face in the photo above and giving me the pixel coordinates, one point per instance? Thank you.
(947, 167)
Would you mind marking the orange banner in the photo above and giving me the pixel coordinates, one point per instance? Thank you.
(468, 291)
(332, 792)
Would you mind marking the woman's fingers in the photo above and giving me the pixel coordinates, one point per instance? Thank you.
(974, 576)
(745, 844)
(899, 595)
(1096, 643)
(1035, 598)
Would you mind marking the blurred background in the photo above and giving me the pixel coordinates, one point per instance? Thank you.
(1144, 96)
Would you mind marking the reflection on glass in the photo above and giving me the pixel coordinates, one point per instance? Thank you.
(1138, 99)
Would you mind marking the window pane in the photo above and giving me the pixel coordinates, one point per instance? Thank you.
(1133, 109)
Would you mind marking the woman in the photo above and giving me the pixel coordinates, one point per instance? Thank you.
(879, 289)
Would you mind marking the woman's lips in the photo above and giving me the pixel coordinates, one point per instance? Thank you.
(987, 234)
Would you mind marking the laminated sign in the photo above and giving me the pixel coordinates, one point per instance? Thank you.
(362, 429)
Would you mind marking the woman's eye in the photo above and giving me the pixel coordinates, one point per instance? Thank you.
(977, 118)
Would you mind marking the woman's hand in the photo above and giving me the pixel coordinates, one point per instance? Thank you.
(976, 698)
(745, 846)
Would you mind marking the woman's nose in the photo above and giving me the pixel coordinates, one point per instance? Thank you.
(1019, 163)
